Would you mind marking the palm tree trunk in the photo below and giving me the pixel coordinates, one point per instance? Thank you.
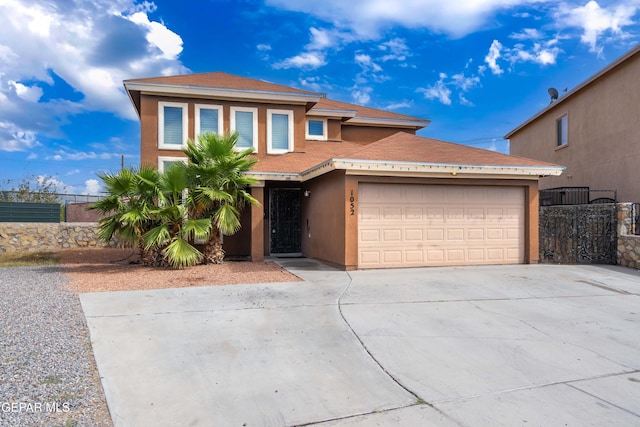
(213, 252)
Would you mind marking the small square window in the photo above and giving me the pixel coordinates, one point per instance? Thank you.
(317, 129)
(562, 129)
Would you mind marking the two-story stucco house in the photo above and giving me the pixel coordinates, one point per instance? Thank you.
(593, 130)
(350, 185)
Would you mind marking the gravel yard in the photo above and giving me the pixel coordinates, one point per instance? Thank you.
(48, 375)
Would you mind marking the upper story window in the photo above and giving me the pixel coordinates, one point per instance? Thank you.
(172, 125)
(165, 162)
(317, 129)
(208, 118)
(279, 131)
(562, 131)
(244, 120)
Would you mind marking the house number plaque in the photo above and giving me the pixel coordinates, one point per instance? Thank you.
(352, 204)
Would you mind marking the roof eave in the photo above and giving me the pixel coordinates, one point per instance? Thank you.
(389, 122)
(221, 93)
(423, 169)
(449, 169)
(327, 112)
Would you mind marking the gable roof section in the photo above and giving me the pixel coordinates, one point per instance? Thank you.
(218, 85)
(632, 54)
(358, 114)
(401, 154)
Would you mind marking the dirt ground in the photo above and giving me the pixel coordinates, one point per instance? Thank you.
(108, 269)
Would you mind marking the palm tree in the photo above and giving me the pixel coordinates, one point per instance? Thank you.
(218, 186)
(174, 229)
(130, 196)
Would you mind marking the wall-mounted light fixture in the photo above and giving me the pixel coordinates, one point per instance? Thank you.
(307, 193)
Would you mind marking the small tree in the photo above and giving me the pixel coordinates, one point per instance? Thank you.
(131, 194)
(33, 189)
(218, 186)
(175, 230)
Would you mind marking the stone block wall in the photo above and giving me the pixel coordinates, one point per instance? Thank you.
(628, 243)
(32, 237)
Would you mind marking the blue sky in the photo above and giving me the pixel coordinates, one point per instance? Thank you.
(475, 68)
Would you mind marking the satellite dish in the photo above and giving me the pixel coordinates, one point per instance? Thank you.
(553, 93)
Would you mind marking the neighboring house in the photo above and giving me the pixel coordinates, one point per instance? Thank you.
(593, 130)
(350, 185)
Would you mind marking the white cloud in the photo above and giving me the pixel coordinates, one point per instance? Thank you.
(263, 47)
(311, 60)
(367, 18)
(399, 105)
(13, 138)
(313, 83)
(81, 155)
(367, 63)
(28, 93)
(527, 34)
(492, 57)
(396, 50)
(91, 45)
(361, 95)
(438, 91)
(595, 21)
(465, 83)
(169, 43)
(92, 186)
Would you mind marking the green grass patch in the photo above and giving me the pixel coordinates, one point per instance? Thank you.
(27, 259)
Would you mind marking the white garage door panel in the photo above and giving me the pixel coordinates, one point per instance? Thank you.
(424, 225)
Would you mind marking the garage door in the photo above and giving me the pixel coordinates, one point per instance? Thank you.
(438, 225)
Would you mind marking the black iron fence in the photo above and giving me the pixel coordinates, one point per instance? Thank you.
(576, 196)
(579, 234)
(635, 219)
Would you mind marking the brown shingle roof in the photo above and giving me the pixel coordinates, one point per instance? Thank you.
(220, 80)
(360, 110)
(405, 147)
(399, 147)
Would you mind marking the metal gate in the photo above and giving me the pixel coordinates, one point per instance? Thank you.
(578, 234)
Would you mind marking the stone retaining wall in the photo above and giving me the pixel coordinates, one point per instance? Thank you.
(31, 237)
(628, 244)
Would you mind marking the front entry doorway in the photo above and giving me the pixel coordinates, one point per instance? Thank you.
(285, 221)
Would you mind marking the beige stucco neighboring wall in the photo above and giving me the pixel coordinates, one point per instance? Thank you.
(604, 127)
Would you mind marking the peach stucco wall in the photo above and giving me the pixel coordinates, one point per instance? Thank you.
(604, 146)
(332, 212)
(323, 222)
(149, 151)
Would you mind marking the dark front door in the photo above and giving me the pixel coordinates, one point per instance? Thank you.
(284, 213)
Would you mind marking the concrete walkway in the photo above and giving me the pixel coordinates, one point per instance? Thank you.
(477, 346)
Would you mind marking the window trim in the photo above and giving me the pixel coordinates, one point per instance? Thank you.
(198, 108)
(322, 137)
(232, 124)
(290, 145)
(560, 143)
(185, 125)
(162, 159)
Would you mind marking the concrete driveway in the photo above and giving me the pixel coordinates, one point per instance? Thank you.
(538, 345)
